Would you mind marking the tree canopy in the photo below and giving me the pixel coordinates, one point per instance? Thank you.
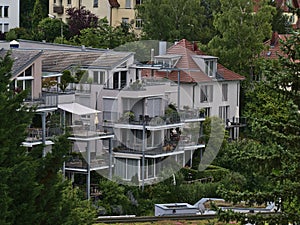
(241, 33)
(31, 186)
(271, 144)
(79, 19)
(173, 20)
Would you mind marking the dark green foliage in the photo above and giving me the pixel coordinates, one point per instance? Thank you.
(241, 34)
(104, 35)
(177, 19)
(49, 29)
(80, 19)
(31, 186)
(269, 157)
(17, 33)
(66, 79)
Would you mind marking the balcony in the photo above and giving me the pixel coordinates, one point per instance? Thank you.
(236, 122)
(58, 9)
(36, 134)
(46, 100)
(84, 131)
(78, 162)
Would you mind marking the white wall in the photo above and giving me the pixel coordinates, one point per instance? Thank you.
(13, 14)
(193, 100)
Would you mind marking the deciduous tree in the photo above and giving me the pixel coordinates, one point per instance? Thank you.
(241, 33)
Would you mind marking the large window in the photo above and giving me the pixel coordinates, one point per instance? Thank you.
(125, 20)
(149, 169)
(224, 92)
(6, 11)
(206, 94)
(138, 23)
(99, 77)
(209, 67)
(126, 168)
(128, 4)
(110, 109)
(1, 7)
(224, 112)
(6, 27)
(95, 5)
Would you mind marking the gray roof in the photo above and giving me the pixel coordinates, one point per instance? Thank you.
(57, 61)
(22, 59)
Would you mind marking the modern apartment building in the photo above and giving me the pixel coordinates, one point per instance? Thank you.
(122, 122)
(116, 11)
(9, 15)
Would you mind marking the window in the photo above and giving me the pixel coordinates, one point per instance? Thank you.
(206, 94)
(99, 77)
(110, 109)
(126, 168)
(149, 169)
(69, 2)
(209, 67)
(1, 7)
(224, 92)
(125, 20)
(95, 5)
(138, 23)
(6, 11)
(138, 2)
(6, 27)
(1, 27)
(128, 4)
(224, 112)
(207, 111)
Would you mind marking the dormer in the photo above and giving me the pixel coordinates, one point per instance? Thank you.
(207, 63)
(167, 61)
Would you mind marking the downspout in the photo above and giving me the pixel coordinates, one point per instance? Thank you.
(110, 16)
(193, 94)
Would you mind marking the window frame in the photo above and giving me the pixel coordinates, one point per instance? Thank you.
(6, 12)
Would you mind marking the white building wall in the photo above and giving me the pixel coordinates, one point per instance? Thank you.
(9, 18)
(192, 98)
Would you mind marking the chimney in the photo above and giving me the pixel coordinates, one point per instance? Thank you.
(162, 47)
(274, 38)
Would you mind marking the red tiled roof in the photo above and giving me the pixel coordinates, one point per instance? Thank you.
(273, 46)
(114, 3)
(190, 72)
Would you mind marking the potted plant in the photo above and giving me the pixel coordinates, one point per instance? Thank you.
(202, 112)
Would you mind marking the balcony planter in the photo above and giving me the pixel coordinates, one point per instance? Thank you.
(202, 113)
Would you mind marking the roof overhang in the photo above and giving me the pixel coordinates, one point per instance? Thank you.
(77, 109)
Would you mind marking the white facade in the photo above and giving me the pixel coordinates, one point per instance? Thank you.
(9, 15)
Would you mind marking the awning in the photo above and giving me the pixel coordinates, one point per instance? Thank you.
(77, 109)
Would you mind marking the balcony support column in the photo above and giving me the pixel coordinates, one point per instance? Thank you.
(44, 132)
(143, 158)
(110, 158)
(88, 179)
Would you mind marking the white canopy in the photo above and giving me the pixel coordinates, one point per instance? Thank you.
(77, 109)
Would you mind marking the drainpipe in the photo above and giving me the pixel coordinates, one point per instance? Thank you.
(110, 158)
(143, 158)
(44, 132)
(194, 95)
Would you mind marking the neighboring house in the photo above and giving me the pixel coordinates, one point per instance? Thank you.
(204, 83)
(9, 15)
(116, 11)
(285, 5)
(273, 46)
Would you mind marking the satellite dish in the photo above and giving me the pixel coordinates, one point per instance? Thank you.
(201, 208)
